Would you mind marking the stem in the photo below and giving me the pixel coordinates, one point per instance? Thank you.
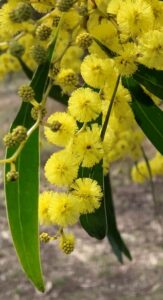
(63, 52)
(103, 131)
(13, 167)
(68, 45)
(21, 146)
(57, 235)
(34, 102)
(46, 16)
(46, 94)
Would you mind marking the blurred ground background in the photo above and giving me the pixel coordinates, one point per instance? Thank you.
(91, 271)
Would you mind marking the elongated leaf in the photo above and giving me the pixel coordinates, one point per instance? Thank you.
(28, 72)
(147, 114)
(151, 79)
(56, 94)
(112, 232)
(22, 195)
(94, 223)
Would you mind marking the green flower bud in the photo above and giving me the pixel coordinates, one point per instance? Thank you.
(45, 237)
(56, 20)
(21, 13)
(39, 54)
(54, 70)
(19, 134)
(84, 40)
(26, 93)
(82, 10)
(12, 176)
(43, 32)
(16, 49)
(36, 110)
(8, 140)
(64, 5)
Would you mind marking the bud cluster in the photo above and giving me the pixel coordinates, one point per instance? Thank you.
(16, 136)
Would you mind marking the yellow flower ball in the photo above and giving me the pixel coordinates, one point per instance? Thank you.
(61, 168)
(88, 194)
(126, 61)
(63, 127)
(95, 71)
(63, 210)
(151, 49)
(134, 18)
(88, 146)
(44, 200)
(84, 105)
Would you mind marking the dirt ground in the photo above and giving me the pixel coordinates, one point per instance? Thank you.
(92, 271)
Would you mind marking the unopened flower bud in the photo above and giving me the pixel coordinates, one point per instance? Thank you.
(21, 13)
(56, 20)
(84, 40)
(12, 175)
(36, 110)
(26, 93)
(64, 5)
(8, 140)
(67, 77)
(43, 32)
(83, 11)
(39, 54)
(19, 134)
(54, 70)
(45, 237)
(67, 243)
(16, 49)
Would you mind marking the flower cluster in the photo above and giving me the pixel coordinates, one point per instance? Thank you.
(97, 128)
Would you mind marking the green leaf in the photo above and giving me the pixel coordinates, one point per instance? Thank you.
(56, 94)
(112, 232)
(28, 72)
(151, 79)
(94, 223)
(108, 52)
(22, 195)
(147, 114)
(22, 208)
